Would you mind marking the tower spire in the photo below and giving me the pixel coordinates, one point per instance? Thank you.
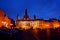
(34, 17)
(26, 12)
(17, 17)
(26, 17)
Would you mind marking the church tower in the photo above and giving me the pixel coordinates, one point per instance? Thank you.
(26, 17)
(34, 17)
(17, 18)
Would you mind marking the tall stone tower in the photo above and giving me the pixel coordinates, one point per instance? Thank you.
(26, 17)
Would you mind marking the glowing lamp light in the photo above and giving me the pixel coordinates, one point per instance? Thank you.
(4, 23)
(11, 24)
(46, 26)
(56, 25)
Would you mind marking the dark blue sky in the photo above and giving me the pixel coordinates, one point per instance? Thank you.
(41, 8)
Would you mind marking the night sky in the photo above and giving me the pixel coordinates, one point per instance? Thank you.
(41, 8)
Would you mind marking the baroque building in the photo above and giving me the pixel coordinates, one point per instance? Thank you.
(4, 20)
(27, 23)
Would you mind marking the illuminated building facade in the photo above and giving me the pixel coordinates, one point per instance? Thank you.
(27, 23)
(4, 20)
